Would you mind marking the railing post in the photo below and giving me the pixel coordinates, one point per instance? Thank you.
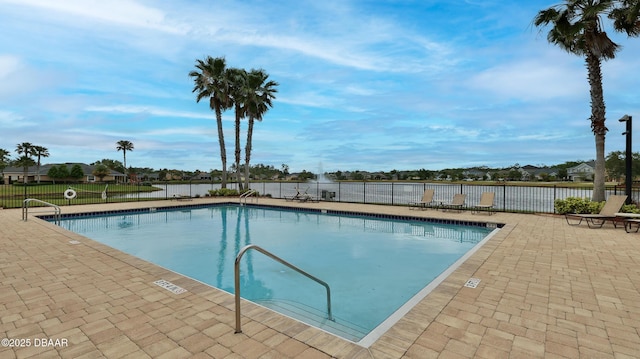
(392, 194)
(364, 192)
(504, 197)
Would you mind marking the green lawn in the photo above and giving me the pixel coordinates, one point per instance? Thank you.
(12, 196)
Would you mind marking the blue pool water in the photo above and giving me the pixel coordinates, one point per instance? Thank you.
(372, 265)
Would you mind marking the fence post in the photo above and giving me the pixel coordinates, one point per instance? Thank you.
(364, 192)
(392, 197)
(555, 196)
(504, 197)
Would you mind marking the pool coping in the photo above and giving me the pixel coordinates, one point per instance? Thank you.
(376, 332)
(50, 217)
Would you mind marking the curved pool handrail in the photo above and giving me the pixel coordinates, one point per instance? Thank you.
(247, 194)
(272, 256)
(25, 208)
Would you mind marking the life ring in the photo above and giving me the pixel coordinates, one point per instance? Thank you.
(70, 194)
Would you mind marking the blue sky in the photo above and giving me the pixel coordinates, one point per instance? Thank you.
(363, 84)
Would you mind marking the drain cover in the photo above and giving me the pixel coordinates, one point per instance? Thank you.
(472, 283)
(169, 286)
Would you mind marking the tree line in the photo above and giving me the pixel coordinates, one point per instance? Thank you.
(30, 155)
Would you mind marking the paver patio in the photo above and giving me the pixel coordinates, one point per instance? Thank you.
(547, 290)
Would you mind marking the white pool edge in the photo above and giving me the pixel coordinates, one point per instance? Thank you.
(383, 327)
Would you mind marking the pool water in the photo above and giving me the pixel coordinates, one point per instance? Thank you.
(372, 265)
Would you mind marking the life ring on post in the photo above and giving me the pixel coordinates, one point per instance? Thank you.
(70, 194)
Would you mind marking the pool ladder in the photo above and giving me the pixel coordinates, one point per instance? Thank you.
(278, 259)
(25, 208)
(248, 194)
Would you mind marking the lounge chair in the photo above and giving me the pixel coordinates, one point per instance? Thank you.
(486, 203)
(456, 204)
(298, 196)
(301, 197)
(597, 220)
(182, 197)
(630, 220)
(426, 201)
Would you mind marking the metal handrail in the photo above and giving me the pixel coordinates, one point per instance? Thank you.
(247, 194)
(272, 256)
(25, 208)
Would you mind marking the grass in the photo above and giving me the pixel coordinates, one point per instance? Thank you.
(12, 196)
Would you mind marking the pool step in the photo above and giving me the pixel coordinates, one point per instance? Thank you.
(316, 318)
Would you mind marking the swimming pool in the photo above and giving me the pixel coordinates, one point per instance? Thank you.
(373, 264)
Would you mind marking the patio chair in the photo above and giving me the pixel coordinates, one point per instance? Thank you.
(298, 196)
(456, 204)
(597, 220)
(426, 201)
(486, 203)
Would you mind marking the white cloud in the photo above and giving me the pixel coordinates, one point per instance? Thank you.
(149, 110)
(117, 12)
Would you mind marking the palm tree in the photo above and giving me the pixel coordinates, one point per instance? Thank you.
(39, 152)
(578, 29)
(238, 81)
(258, 101)
(4, 162)
(210, 80)
(124, 146)
(26, 149)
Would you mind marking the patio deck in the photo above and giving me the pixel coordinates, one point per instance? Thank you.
(547, 290)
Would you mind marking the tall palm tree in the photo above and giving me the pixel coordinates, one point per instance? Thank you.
(210, 81)
(124, 146)
(40, 152)
(577, 27)
(259, 99)
(238, 82)
(26, 149)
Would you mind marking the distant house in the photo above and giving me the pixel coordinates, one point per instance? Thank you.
(201, 176)
(16, 174)
(530, 172)
(581, 172)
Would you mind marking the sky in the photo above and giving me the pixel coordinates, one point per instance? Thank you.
(362, 84)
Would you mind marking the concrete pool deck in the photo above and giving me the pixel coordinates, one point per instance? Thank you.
(546, 289)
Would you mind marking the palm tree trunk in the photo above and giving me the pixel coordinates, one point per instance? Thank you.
(223, 151)
(38, 169)
(597, 123)
(124, 157)
(247, 155)
(238, 150)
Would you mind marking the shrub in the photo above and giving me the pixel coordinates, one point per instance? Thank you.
(630, 208)
(585, 205)
(223, 192)
(577, 205)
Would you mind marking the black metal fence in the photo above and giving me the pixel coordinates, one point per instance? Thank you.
(508, 198)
